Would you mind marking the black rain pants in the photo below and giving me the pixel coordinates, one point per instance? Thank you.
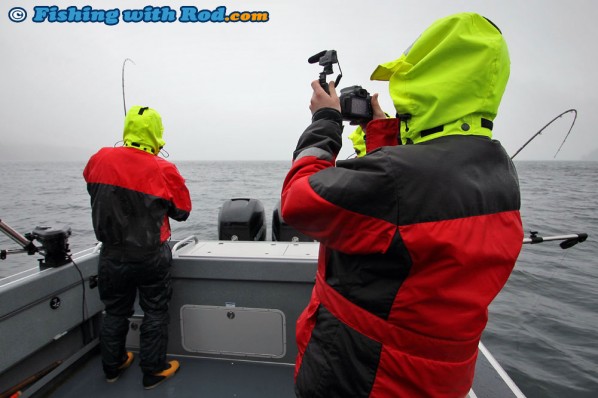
(119, 281)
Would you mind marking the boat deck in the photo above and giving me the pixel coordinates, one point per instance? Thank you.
(207, 377)
(197, 377)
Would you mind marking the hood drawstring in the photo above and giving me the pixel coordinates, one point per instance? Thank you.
(405, 117)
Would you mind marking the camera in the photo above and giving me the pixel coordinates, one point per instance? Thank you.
(356, 103)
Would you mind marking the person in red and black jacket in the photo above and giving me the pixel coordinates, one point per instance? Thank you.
(133, 194)
(418, 236)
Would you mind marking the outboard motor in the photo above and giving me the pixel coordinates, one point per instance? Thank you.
(281, 231)
(242, 219)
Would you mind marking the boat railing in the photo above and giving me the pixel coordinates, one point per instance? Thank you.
(182, 243)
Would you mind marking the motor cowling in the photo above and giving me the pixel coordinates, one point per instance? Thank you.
(242, 219)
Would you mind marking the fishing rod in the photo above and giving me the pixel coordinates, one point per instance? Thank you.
(567, 240)
(123, 82)
(548, 124)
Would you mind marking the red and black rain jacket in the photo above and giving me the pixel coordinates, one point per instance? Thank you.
(416, 241)
(133, 193)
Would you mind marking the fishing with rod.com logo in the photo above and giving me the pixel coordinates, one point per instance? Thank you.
(147, 14)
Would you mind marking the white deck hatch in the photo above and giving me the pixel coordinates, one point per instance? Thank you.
(228, 330)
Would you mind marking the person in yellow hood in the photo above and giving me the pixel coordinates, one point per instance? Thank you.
(418, 236)
(133, 194)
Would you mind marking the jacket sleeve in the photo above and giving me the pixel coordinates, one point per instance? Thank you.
(180, 200)
(351, 206)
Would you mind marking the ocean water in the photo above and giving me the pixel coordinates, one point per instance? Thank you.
(542, 326)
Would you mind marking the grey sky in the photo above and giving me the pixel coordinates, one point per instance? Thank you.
(242, 90)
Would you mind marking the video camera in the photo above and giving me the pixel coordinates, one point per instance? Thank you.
(356, 102)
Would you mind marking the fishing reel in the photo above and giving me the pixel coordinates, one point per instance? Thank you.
(55, 246)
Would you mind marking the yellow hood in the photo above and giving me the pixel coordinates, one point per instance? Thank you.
(143, 129)
(453, 75)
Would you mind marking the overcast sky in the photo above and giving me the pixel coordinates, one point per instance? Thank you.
(230, 91)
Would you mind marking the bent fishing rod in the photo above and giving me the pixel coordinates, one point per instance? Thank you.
(548, 124)
(123, 82)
